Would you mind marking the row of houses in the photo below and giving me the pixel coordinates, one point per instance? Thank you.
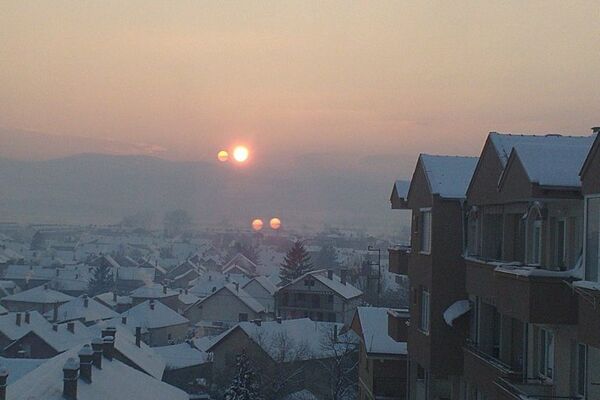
(503, 270)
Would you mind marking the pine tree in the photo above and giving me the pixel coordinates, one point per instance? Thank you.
(101, 280)
(296, 263)
(245, 385)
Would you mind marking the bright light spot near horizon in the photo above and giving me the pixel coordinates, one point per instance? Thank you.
(240, 153)
(275, 223)
(223, 156)
(257, 224)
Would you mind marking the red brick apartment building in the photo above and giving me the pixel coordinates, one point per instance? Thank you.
(504, 271)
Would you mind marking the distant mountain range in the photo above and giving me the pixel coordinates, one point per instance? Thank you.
(99, 188)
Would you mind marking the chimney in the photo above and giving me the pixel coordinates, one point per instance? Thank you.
(55, 327)
(71, 327)
(108, 347)
(115, 297)
(86, 301)
(343, 274)
(46, 286)
(70, 376)
(55, 312)
(278, 319)
(257, 321)
(86, 356)
(97, 348)
(209, 277)
(151, 304)
(3, 379)
(124, 320)
(18, 320)
(57, 271)
(27, 317)
(138, 336)
(185, 291)
(596, 129)
(21, 353)
(237, 287)
(329, 274)
(180, 291)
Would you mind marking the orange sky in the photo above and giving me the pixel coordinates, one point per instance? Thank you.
(362, 78)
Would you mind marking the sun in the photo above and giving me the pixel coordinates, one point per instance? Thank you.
(240, 153)
(223, 156)
(257, 224)
(275, 223)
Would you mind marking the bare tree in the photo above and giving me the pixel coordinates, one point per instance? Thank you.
(340, 364)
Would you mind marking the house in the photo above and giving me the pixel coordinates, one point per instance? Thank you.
(211, 281)
(89, 373)
(263, 290)
(185, 299)
(41, 299)
(83, 309)
(383, 360)
(229, 304)
(185, 364)
(13, 326)
(131, 278)
(435, 199)
(319, 295)
(289, 355)
(113, 301)
(156, 292)
(241, 265)
(162, 325)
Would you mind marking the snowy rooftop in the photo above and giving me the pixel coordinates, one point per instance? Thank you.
(204, 285)
(41, 294)
(448, 176)
(554, 164)
(147, 317)
(18, 367)
(114, 381)
(265, 283)
(77, 309)
(181, 355)
(346, 290)
(241, 294)
(374, 324)
(504, 142)
(153, 291)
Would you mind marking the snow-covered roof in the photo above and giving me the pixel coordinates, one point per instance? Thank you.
(115, 381)
(145, 275)
(77, 309)
(3, 311)
(108, 298)
(346, 290)
(374, 324)
(187, 298)
(14, 331)
(305, 339)
(181, 355)
(40, 294)
(18, 367)
(504, 142)
(62, 339)
(153, 291)
(239, 293)
(303, 394)
(204, 285)
(151, 318)
(553, 163)
(456, 310)
(448, 176)
(143, 356)
(265, 282)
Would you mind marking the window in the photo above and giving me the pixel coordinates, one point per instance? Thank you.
(592, 239)
(560, 232)
(536, 243)
(581, 369)
(426, 230)
(424, 321)
(546, 358)
(243, 317)
(474, 321)
(473, 233)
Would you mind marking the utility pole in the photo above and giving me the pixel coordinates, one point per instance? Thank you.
(378, 263)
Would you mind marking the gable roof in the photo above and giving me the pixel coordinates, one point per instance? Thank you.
(374, 326)
(264, 282)
(551, 163)
(591, 154)
(40, 294)
(113, 382)
(238, 293)
(77, 309)
(448, 176)
(153, 291)
(147, 317)
(346, 290)
(182, 355)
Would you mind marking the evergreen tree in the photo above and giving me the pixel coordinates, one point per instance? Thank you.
(101, 281)
(296, 263)
(245, 384)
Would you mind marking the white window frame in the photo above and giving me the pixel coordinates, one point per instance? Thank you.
(546, 352)
(536, 224)
(585, 234)
(425, 311)
(422, 231)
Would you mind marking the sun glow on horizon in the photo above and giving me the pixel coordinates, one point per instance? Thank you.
(240, 153)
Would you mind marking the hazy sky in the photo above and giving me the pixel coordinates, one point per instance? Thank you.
(361, 78)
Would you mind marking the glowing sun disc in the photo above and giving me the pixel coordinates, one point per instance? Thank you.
(275, 223)
(257, 224)
(240, 153)
(223, 156)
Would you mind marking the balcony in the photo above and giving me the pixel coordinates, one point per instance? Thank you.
(398, 259)
(535, 295)
(483, 369)
(518, 389)
(588, 311)
(526, 293)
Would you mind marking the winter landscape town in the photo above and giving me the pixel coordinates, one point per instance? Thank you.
(299, 200)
